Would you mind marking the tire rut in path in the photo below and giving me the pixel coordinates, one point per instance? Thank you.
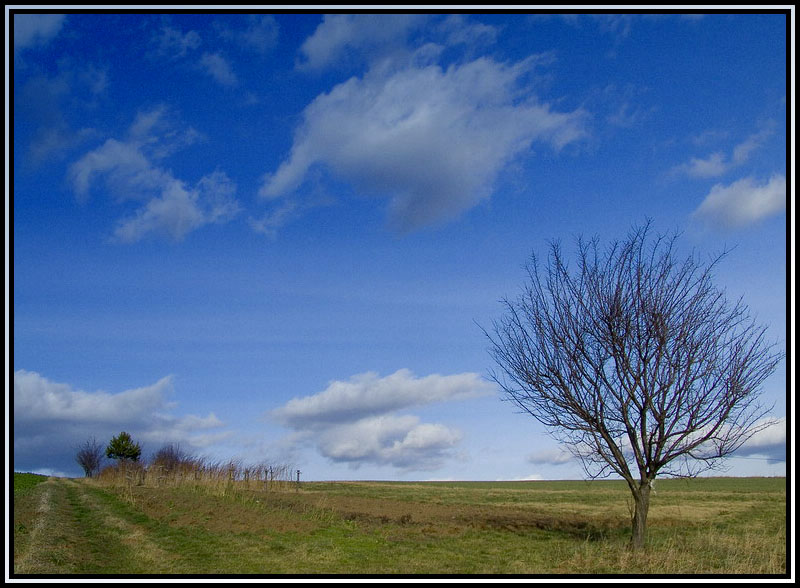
(37, 557)
(141, 552)
(75, 531)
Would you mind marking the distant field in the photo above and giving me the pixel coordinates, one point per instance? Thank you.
(700, 526)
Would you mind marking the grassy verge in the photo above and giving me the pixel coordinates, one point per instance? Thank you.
(45, 531)
(708, 526)
(25, 483)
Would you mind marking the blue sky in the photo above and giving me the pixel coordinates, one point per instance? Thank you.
(276, 237)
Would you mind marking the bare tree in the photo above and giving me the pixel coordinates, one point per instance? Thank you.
(172, 456)
(635, 361)
(90, 457)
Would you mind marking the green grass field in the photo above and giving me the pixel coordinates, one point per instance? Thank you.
(701, 526)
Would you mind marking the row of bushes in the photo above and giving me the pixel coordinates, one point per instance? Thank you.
(172, 466)
(221, 477)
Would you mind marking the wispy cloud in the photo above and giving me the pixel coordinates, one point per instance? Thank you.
(743, 202)
(219, 68)
(259, 34)
(180, 210)
(712, 166)
(459, 30)
(31, 30)
(173, 43)
(354, 421)
(171, 206)
(719, 163)
(360, 36)
(40, 104)
(557, 456)
(47, 103)
(51, 419)
(272, 221)
(742, 151)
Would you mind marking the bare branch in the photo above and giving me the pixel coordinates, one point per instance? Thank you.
(634, 359)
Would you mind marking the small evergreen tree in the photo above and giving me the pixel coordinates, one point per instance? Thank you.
(122, 447)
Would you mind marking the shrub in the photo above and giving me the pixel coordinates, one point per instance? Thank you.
(122, 447)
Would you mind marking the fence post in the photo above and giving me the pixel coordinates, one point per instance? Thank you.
(298, 481)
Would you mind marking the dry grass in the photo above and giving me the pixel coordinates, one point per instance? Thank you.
(709, 552)
(219, 478)
(235, 524)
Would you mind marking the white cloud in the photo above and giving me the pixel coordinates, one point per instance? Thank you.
(128, 169)
(431, 140)
(378, 38)
(54, 141)
(556, 456)
(36, 29)
(530, 478)
(399, 441)
(41, 107)
(260, 34)
(742, 151)
(174, 43)
(143, 128)
(718, 163)
(368, 394)
(171, 207)
(769, 441)
(218, 68)
(617, 25)
(743, 202)
(461, 31)
(712, 166)
(353, 422)
(179, 211)
(158, 135)
(51, 419)
(367, 34)
(271, 222)
(38, 399)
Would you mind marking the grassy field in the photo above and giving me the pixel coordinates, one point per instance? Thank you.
(701, 526)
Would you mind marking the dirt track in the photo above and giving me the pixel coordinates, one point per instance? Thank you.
(70, 526)
(63, 527)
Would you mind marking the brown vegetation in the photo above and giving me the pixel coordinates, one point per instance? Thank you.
(224, 519)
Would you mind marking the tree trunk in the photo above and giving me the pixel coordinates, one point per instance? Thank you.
(641, 504)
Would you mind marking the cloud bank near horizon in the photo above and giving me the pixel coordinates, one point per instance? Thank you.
(769, 444)
(52, 419)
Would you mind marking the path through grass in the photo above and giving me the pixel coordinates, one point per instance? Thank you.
(720, 526)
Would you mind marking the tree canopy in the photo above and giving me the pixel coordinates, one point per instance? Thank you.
(122, 447)
(635, 360)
